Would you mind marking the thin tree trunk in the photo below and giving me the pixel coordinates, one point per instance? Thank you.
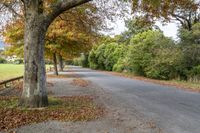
(55, 64)
(34, 88)
(60, 63)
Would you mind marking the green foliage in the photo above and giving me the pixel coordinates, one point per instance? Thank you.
(113, 53)
(121, 65)
(106, 55)
(100, 56)
(190, 45)
(135, 26)
(84, 60)
(141, 50)
(18, 61)
(2, 60)
(81, 61)
(195, 71)
(77, 61)
(153, 55)
(194, 74)
(166, 64)
(92, 59)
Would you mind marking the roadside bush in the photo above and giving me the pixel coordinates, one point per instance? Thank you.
(142, 50)
(18, 61)
(80, 61)
(93, 63)
(113, 53)
(69, 62)
(153, 55)
(105, 56)
(194, 74)
(100, 56)
(2, 60)
(77, 61)
(120, 66)
(84, 60)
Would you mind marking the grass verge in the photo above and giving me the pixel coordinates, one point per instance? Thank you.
(73, 108)
(195, 87)
(8, 71)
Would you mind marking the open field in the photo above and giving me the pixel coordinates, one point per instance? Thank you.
(11, 70)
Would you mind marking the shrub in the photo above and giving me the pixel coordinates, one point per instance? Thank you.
(113, 53)
(2, 60)
(122, 65)
(155, 56)
(84, 60)
(166, 64)
(93, 63)
(142, 50)
(18, 61)
(105, 56)
(194, 74)
(100, 56)
(77, 61)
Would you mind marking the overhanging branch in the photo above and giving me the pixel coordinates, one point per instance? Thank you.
(60, 7)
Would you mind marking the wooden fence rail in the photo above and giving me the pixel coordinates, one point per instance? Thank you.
(5, 82)
(10, 80)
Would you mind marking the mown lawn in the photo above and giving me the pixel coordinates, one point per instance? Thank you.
(8, 71)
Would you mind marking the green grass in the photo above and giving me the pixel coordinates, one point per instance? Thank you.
(8, 71)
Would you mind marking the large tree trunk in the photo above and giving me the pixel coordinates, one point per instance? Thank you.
(55, 64)
(60, 63)
(34, 89)
(36, 23)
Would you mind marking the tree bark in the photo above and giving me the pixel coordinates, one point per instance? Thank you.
(60, 63)
(36, 24)
(34, 88)
(55, 64)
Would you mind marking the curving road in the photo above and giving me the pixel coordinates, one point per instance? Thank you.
(173, 110)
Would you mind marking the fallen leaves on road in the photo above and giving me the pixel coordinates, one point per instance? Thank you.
(73, 108)
(80, 82)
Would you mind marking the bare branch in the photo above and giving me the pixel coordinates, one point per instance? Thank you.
(11, 9)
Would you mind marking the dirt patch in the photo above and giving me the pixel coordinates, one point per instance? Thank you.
(80, 82)
(74, 108)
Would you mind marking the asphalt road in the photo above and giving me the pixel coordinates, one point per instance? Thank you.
(173, 110)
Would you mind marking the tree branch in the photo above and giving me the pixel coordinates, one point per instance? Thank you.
(60, 7)
(9, 7)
